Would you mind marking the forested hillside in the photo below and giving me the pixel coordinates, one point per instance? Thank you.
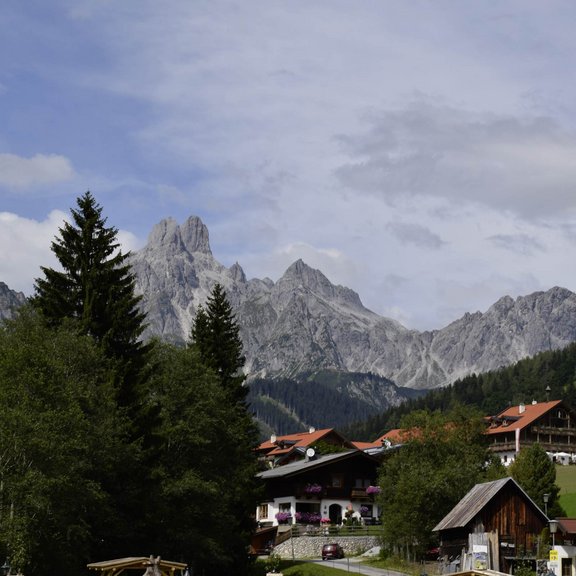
(547, 375)
(325, 399)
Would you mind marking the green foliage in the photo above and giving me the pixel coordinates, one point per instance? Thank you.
(536, 474)
(216, 335)
(60, 437)
(95, 288)
(322, 447)
(524, 568)
(215, 341)
(444, 457)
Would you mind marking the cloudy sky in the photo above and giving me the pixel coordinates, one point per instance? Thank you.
(422, 153)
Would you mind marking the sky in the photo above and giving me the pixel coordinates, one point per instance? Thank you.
(422, 153)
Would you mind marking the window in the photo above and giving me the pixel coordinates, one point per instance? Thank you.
(284, 507)
(337, 481)
(262, 511)
(362, 483)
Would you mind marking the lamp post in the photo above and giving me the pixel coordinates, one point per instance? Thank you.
(553, 528)
(545, 497)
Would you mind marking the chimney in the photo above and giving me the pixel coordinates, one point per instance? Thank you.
(521, 409)
(311, 430)
(273, 439)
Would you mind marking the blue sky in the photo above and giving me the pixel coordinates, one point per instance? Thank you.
(422, 153)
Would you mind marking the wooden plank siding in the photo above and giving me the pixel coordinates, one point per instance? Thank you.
(500, 507)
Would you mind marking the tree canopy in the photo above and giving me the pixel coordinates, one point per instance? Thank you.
(60, 437)
(536, 474)
(444, 455)
(215, 338)
(95, 288)
(216, 335)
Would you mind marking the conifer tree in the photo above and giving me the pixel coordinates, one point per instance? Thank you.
(95, 288)
(216, 336)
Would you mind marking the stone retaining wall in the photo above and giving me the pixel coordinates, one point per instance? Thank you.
(311, 546)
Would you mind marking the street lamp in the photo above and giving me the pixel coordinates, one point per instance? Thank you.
(545, 497)
(553, 528)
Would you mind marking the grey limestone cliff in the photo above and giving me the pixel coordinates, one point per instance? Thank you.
(303, 322)
(10, 301)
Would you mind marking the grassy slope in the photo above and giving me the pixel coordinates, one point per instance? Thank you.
(566, 479)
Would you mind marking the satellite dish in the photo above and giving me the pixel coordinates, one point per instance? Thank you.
(387, 443)
(310, 453)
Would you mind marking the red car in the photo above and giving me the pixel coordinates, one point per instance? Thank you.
(333, 550)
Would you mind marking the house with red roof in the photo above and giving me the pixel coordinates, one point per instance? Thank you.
(281, 450)
(322, 488)
(316, 479)
(551, 424)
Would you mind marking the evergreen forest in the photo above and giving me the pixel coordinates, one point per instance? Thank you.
(111, 447)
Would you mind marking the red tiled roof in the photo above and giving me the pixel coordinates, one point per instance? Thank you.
(365, 445)
(567, 525)
(285, 444)
(518, 417)
(396, 436)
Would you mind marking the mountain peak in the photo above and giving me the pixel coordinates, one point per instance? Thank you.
(191, 236)
(195, 236)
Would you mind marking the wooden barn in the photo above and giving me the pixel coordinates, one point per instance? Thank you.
(495, 525)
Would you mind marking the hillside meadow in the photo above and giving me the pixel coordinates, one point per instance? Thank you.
(566, 480)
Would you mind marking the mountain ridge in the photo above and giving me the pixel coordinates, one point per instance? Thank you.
(303, 322)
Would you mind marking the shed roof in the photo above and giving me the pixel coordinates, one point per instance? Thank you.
(476, 499)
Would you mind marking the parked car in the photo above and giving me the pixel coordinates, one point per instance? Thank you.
(333, 550)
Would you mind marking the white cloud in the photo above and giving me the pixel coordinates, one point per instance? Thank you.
(41, 169)
(26, 246)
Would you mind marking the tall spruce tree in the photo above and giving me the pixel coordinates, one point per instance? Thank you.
(96, 289)
(216, 336)
(95, 292)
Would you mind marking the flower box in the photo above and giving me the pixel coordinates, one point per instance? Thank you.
(313, 489)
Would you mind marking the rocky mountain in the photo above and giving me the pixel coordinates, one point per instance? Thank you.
(9, 301)
(304, 323)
